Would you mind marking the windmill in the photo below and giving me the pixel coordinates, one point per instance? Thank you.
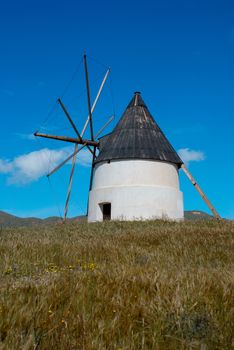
(135, 176)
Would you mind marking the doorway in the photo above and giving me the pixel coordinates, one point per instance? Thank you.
(106, 211)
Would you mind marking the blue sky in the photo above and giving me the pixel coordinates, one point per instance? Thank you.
(179, 54)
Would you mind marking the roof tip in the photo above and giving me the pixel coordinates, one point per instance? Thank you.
(136, 100)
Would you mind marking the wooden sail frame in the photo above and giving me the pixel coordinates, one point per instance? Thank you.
(91, 143)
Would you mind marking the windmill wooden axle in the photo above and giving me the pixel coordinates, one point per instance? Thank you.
(68, 139)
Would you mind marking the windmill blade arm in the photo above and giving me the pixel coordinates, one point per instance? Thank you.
(69, 118)
(202, 194)
(70, 185)
(96, 100)
(104, 126)
(72, 124)
(68, 139)
(88, 96)
(77, 150)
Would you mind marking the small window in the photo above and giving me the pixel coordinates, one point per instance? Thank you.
(106, 211)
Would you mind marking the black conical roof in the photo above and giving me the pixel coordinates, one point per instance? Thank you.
(137, 136)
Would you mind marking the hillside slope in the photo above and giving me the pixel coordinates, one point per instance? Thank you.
(118, 285)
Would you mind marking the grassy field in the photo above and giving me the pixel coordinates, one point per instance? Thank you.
(115, 285)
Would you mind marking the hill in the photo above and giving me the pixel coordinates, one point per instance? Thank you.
(117, 285)
(11, 220)
(8, 220)
(197, 215)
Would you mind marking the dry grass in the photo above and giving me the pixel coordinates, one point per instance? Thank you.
(146, 285)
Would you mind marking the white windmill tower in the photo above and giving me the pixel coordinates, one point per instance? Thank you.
(136, 172)
(135, 175)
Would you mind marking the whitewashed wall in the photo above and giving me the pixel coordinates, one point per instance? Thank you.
(137, 190)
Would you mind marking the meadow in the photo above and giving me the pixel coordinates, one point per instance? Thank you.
(117, 285)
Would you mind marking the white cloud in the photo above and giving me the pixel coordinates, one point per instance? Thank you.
(5, 166)
(30, 167)
(189, 155)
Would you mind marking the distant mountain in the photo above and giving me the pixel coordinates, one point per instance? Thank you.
(11, 220)
(8, 220)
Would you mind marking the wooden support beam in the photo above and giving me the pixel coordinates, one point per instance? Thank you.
(68, 139)
(202, 194)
